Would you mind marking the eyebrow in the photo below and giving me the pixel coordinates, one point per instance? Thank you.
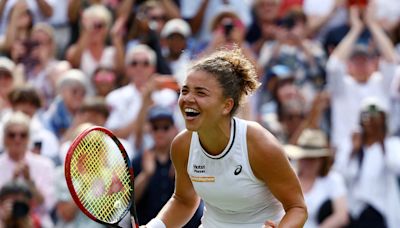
(198, 88)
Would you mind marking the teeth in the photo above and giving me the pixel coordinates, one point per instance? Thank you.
(191, 110)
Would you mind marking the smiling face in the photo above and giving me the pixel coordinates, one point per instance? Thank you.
(202, 102)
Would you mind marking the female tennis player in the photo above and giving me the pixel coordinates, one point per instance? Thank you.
(235, 166)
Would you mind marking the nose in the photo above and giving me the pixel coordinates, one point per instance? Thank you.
(188, 98)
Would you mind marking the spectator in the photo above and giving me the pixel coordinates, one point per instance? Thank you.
(104, 80)
(40, 9)
(263, 26)
(228, 31)
(18, 163)
(60, 23)
(324, 16)
(355, 72)
(91, 50)
(324, 190)
(200, 15)
(94, 111)
(72, 87)
(42, 141)
(176, 34)
(140, 68)
(373, 169)
(154, 171)
(41, 61)
(19, 26)
(304, 57)
(157, 14)
(16, 206)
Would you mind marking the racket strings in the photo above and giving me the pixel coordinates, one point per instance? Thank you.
(101, 177)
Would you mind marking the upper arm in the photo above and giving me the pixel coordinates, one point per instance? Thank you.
(270, 164)
(184, 190)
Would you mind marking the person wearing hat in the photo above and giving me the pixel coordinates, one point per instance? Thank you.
(373, 170)
(176, 34)
(324, 190)
(154, 172)
(354, 72)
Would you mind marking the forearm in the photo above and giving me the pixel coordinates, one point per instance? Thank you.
(45, 8)
(315, 23)
(383, 42)
(169, 212)
(73, 10)
(196, 21)
(37, 195)
(343, 50)
(119, 60)
(141, 182)
(171, 8)
(337, 219)
(74, 53)
(125, 8)
(294, 217)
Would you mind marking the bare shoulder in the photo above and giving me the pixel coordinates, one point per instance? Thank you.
(265, 151)
(180, 146)
(260, 138)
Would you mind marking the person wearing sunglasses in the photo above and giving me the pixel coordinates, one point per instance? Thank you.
(91, 49)
(155, 174)
(140, 68)
(19, 163)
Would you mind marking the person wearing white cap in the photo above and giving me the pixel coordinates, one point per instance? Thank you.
(324, 189)
(373, 170)
(176, 33)
(355, 72)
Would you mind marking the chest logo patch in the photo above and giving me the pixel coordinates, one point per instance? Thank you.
(238, 170)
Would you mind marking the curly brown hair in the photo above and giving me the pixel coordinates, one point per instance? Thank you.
(234, 72)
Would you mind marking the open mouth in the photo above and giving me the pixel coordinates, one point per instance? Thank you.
(189, 112)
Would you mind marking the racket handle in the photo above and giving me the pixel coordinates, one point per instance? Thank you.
(134, 222)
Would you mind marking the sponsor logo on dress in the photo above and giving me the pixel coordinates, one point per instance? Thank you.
(238, 170)
(199, 168)
(202, 179)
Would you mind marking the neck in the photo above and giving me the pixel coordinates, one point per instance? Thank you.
(17, 157)
(215, 139)
(162, 155)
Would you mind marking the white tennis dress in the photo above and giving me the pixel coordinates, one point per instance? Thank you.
(232, 195)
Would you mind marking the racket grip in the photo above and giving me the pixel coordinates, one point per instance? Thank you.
(134, 222)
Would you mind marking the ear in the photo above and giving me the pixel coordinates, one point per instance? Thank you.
(228, 105)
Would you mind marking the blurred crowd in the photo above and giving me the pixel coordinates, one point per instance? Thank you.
(330, 92)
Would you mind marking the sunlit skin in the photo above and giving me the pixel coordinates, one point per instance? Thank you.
(203, 93)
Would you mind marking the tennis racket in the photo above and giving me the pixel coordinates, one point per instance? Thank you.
(100, 177)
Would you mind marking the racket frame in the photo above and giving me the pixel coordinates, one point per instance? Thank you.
(131, 207)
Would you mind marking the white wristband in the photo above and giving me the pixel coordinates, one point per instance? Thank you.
(156, 223)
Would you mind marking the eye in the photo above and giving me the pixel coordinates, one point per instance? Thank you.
(184, 91)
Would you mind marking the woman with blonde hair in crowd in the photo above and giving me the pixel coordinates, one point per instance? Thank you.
(92, 50)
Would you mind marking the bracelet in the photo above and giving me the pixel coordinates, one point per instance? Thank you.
(156, 223)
